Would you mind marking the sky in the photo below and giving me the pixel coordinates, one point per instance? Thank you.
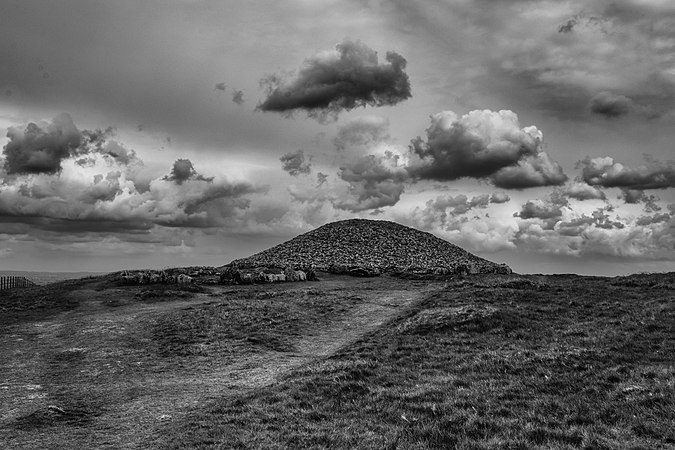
(193, 132)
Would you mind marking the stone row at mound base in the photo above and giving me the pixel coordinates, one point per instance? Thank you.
(369, 247)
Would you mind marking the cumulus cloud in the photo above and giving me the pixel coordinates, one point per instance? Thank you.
(549, 213)
(598, 219)
(484, 144)
(605, 172)
(532, 171)
(465, 221)
(74, 200)
(372, 174)
(362, 131)
(374, 181)
(499, 197)
(294, 163)
(183, 170)
(340, 80)
(583, 191)
(101, 186)
(549, 225)
(599, 234)
(40, 147)
(443, 217)
(459, 204)
(635, 196)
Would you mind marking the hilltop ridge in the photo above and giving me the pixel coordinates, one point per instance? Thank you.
(382, 246)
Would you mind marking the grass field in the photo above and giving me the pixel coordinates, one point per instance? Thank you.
(485, 362)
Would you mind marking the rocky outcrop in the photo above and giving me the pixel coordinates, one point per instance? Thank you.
(169, 276)
(233, 275)
(369, 248)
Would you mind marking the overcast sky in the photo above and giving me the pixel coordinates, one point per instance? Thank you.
(193, 132)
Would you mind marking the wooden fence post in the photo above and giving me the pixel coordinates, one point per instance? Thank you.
(14, 281)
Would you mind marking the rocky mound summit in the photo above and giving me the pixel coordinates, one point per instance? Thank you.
(370, 247)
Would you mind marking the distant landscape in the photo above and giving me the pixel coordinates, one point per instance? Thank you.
(42, 278)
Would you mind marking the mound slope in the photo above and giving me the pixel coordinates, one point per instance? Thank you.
(384, 246)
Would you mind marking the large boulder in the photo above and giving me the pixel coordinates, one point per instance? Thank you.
(311, 275)
(184, 279)
(363, 272)
(241, 277)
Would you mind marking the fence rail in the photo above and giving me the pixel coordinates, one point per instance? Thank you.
(11, 282)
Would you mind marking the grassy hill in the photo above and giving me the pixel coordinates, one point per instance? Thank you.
(484, 362)
(526, 363)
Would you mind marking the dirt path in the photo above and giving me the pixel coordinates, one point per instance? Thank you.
(129, 399)
(262, 370)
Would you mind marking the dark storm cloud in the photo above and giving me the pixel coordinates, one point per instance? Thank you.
(40, 148)
(347, 78)
(362, 131)
(610, 105)
(484, 144)
(605, 172)
(375, 181)
(183, 170)
(294, 163)
(220, 87)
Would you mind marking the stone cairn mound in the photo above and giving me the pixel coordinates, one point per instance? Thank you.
(360, 247)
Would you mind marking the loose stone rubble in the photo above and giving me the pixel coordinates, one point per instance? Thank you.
(364, 248)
